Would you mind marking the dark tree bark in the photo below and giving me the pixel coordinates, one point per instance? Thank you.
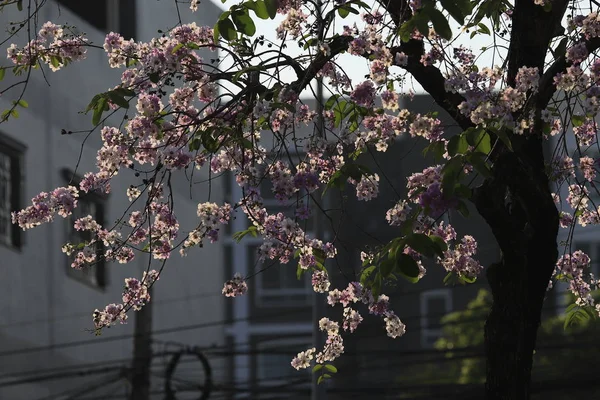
(517, 204)
(516, 201)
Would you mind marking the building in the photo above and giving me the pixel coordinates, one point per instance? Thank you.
(273, 321)
(46, 350)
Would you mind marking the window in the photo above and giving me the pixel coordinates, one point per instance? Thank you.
(11, 166)
(88, 204)
(434, 305)
(106, 15)
(277, 284)
(594, 188)
(592, 249)
(273, 361)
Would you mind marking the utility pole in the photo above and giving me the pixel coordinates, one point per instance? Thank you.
(142, 353)
(318, 392)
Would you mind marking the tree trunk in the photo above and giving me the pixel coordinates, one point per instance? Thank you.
(518, 206)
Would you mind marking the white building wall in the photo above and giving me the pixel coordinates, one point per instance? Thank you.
(42, 310)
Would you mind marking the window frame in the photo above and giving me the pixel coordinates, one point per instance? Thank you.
(99, 278)
(120, 16)
(428, 333)
(277, 343)
(260, 293)
(592, 249)
(15, 151)
(280, 294)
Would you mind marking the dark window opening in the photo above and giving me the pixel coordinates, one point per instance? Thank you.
(88, 204)
(11, 165)
(106, 15)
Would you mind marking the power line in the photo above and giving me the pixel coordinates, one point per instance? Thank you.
(129, 336)
(88, 314)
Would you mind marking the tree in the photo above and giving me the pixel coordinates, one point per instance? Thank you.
(560, 359)
(191, 113)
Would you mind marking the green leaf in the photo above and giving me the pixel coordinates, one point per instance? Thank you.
(386, 267)
(55, 61)
(98, 111)
(440, 24)
(440, 245)
(227, 30)
(2, 73)
(450, 175)
(561, 49)
(224, 15)
(484, 29)
(450, 279)
(216, 33)
(366, 273)
(345, 10)
(406, 29)
(477, 160)
(118, 99)
(578, 120)
(331, 101)
(319, 255)
(271, 8)
(467, 279)
(317, 368)
(479, 139)
(423, 244)
(376, 286)
(502, 135)
(457, 145)
(243, 22)
(437, 149)
(23, 103)
(177, 48)
(421, 21)
(337, 180)
(154, 77)
(331, 368)
(578, 315)
(455, 11)
(124, 92)
(259, 8)
(20, 5)
(238, 236)
(407, 267)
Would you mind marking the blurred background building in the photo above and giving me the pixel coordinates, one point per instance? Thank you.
(46, 349)
(47, 353)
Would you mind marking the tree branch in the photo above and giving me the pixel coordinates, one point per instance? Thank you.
(532, 29)
(547, 87)
(432, 81)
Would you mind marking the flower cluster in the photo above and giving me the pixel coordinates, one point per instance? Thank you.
(571, 268)
(135, 295)
(52, 46)
(460, 260)
(44, 206)
(320, 281)
(236, 286)
(367, 188)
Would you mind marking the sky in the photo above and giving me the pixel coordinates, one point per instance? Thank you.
(355, 67)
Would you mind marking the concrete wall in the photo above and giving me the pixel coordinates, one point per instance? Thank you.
(43, 311)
